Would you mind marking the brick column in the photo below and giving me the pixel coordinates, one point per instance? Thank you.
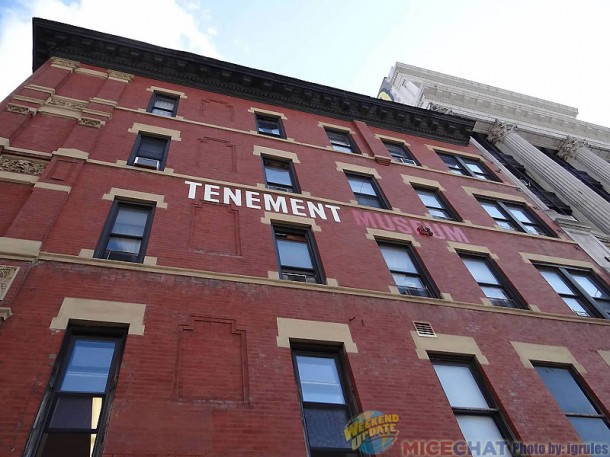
(578, 150)
(574, 192)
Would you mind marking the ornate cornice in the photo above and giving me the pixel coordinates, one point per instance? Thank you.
(142, 59)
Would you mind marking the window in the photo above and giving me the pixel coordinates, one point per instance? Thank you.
(580, 290)
(341, 141)
(437, 206)
(324, 402)
(270, 126)
(367, 191)
(590, 424)
(163, 105)
(513, 216)
(467, 167)
(297, 256)
(149, 152)
(126, 233)
(406, 270)
(279, 175)
(400, 153)
(75, 410)
(491, 281)
(475, 411)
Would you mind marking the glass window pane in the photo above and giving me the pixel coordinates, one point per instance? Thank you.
(398, 259)
(482, 430)
(576, 306)
(592, 430)
(361, 185)
(475, 167)
(325, 427)
(566, 391)
(294, 254)
(480, 270)
(536, 230)
(556, 281)
(429, 199)
(269, 126)
(120, 244)
(320, 380)
(88, 366)
(408, 281)
(460, 386)
(588, 285)
(493, 210)
(81, 412)
(506, 225)
(67, 445)
(366, 200)
(520, 214)
(164, 104)
(130, 221)
(495, 292)
(151, 147)
(438, 214)
(278, 176)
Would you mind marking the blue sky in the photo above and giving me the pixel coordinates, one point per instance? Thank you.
(552, 49)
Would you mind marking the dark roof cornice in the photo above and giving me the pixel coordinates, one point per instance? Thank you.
(143, 59)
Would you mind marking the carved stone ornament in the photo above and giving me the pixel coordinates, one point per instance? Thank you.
(440, 109)
(73, 64)
(7, 274)
(23, 166)
(499, 130)
(89, 122)
(68, 104)
(127, 77)
(568, 149)
(17, 109)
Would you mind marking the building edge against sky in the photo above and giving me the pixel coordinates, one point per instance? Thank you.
(559, 161)
(203, 259)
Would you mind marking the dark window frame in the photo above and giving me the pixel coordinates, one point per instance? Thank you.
(351, 406)
(588, 302)
(349, 142)
(379, 195)
(503, 206)
(446, 207)
(504, 284)
(494, 411)
(53, 393)
(269, 118)
(101, 251)
(136, 150)
(584, 388)
(402, 154)
(422, 273)
(160, 95)
(317, 272)
(295, 188)
(464, 170)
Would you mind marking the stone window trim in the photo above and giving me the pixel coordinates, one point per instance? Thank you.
(313, 332)
(153, 130)
(445, 344)
(544, 353)
(82, 310)
(165, 91)
(135, 197)
(270, 152)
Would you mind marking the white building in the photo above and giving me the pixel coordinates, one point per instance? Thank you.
(558, 160)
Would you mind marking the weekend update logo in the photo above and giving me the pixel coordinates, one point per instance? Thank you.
(372, 432)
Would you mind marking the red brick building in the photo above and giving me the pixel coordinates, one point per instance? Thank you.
(202, 259)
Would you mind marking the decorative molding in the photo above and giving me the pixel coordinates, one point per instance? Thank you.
(120, 76)
(19, 249)
(447, 344)
(7, 275)
(51, 186)
(499, 130)
(159, 200)
(18, 109)
(66, 103)
(569, 147)
(530, 352)
(90, 122)
(440, 109)
(5, 313)
(67, 64)
(187, 69)
(137, 128)
(20, 165)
